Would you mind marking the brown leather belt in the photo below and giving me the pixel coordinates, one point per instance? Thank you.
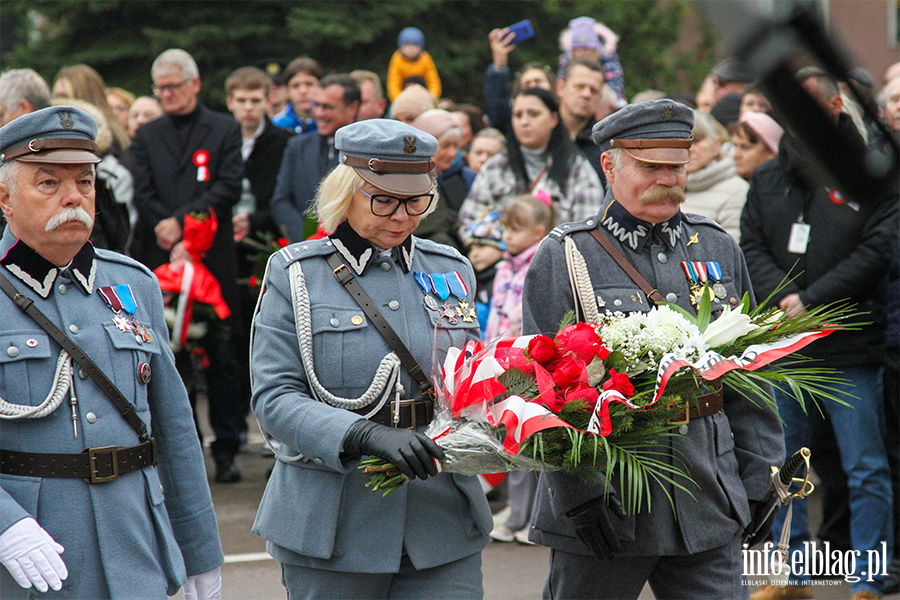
(413, 413)
(94, 465)
(703, 406)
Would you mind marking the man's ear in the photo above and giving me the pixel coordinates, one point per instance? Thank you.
(5, 205)
(607, 163)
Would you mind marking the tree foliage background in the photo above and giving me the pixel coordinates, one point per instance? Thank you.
(120, 38)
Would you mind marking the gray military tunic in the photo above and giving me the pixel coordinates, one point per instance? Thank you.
(728, 454)
(316, 511)
(137, 536)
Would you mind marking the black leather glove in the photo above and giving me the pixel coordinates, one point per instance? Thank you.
(757, 514)
(594, 526)
(409, 451)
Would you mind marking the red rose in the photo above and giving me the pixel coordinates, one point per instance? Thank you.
(620, 383)
(542, 350)
(282, 242)
(579, 339)
(567, 373)
(602, 352)
(586, 393)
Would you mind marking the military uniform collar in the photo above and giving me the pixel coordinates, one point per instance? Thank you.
(634, 232)
(360, 253)
(40, 274)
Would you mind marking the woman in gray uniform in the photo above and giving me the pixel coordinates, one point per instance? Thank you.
(330, 387)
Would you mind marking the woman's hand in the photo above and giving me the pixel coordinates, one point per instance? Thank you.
(501, 46)
(412, 453)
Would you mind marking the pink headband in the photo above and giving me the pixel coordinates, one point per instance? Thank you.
(544, 196)
(766, 127)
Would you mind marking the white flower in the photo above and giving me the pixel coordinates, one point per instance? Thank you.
(730, 325)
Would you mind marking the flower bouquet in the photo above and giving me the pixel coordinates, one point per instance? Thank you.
(598, 396)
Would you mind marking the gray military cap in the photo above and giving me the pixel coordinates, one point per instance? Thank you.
(656, 131)
(58, 134)
(391, 155)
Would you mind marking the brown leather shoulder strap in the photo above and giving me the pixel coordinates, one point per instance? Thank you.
(652, 293)
(345, 277)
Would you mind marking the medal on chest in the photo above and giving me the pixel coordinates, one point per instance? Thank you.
(700, 275)
(120, 299)
(438, 287)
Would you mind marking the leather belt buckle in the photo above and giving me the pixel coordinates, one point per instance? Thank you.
(94, 454)
(342, 277)
(687, 416)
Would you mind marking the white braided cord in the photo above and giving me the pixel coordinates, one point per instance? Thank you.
(580, 280)
(387, 376)
(62, 382)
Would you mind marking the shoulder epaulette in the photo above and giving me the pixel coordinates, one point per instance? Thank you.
(115, 257)
(700, 221)
(307, 249)
(561, 231)
(430, 247)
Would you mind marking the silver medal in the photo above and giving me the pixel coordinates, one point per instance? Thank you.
(719, 290)
(431, 303)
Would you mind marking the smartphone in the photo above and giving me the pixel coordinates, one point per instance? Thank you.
(522, 31)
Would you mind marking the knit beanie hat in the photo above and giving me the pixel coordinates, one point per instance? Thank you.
(583, 33)
(411, 35)
(485, 230)
(437, 122)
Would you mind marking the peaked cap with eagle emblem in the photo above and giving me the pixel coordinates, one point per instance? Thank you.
(657, 131)
(58, 134)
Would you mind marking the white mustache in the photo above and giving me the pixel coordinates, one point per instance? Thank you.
(69, 214)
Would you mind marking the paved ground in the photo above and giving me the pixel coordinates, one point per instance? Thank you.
(511, 571)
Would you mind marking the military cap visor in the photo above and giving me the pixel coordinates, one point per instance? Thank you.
(657, 151)
(394, 177)
(69, 151)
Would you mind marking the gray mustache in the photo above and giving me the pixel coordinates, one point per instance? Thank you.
(69, 214)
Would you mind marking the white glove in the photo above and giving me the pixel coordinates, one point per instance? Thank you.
(32, 556)
(205, 586)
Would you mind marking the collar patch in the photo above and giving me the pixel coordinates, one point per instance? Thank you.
(360, 253)
(40, 274)
(634, 232)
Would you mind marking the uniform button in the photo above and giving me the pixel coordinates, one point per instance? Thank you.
(385, 266)
(683, 430)
(73, 328)
(434, 320)
(91, 417)
(318, 461)
(82, 374)
(62, 289)
(393, 305)
(335, 322)
(356, 320)
(617, 302)
(671, 297)
(590, 223)
(12, 351)
(661, 257)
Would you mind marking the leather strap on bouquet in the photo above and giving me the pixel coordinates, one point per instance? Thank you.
(26, 305)
(345, 277)
(651, 293)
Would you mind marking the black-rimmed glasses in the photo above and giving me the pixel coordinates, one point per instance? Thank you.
(172, 87)
(384, 205)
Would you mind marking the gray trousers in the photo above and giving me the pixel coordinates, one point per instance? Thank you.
(522, 488)
(459, 580)
(706, 575)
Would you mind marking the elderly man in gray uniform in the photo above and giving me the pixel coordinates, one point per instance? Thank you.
(84, 463)
(729, 447)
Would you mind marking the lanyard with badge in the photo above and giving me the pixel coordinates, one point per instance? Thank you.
(799, 239)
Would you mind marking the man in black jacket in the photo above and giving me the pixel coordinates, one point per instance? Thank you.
(836, 250)
(188, 161)
(262, 148)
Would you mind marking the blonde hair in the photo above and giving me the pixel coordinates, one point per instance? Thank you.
(527, 211)
(335, 193)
